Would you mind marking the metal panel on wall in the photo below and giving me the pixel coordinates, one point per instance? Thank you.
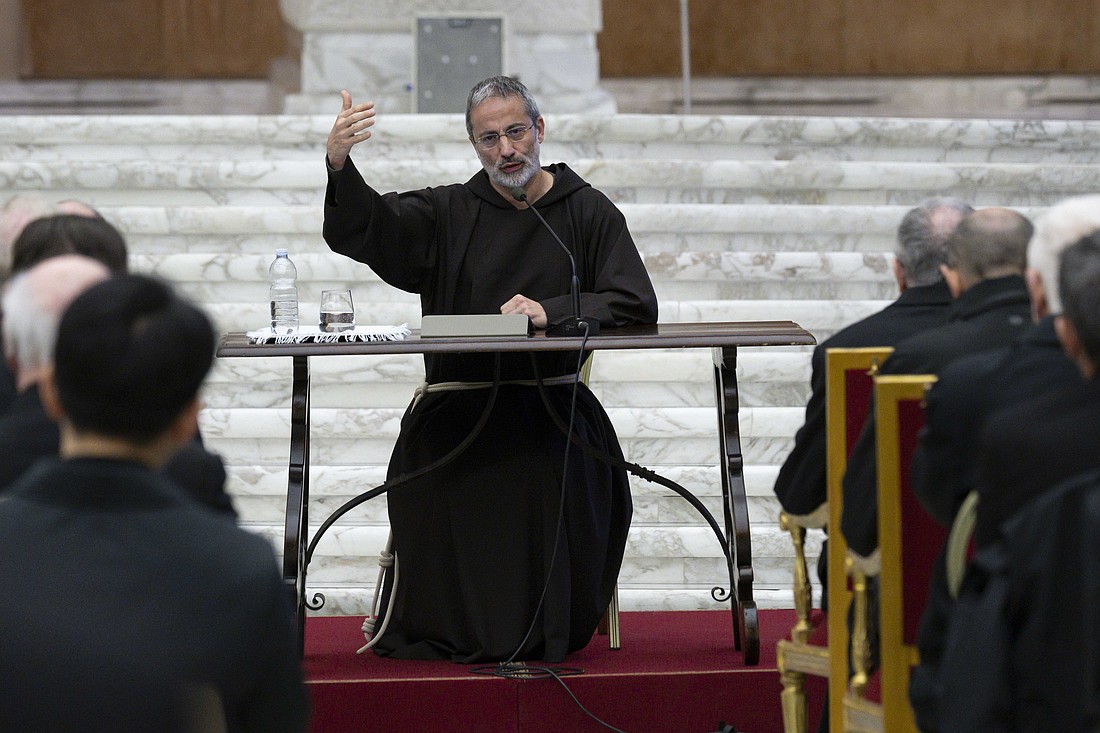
(453, 54)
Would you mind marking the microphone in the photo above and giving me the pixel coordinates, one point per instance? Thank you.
(575, 325)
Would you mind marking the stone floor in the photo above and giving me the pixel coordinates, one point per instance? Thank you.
(1031, 97)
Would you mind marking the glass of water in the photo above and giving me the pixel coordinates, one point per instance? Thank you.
(337, 311)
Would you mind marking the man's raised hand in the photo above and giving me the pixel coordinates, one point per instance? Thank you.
(352, 126)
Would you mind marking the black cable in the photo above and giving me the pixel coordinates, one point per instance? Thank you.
(642, 472)
(405, 477)
(509, 669)
(561, 500)
(526, 672)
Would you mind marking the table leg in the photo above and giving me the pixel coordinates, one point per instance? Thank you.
(735, 508)
(297, 498)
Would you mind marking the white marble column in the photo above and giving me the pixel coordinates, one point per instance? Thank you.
(366, 46)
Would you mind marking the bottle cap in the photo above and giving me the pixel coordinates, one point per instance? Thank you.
(281, 253)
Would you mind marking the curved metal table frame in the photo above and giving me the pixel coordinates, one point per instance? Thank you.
(723, 338)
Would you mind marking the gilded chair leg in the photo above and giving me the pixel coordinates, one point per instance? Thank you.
(793, 702)
(612, 617)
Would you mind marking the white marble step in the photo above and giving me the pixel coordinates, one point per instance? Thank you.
(655, 558)
(306, 219)
(212, 278)
(280, 182)
(640, 422)
(570, 137)
(335, 483)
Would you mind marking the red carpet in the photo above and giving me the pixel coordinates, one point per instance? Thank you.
(677, 672)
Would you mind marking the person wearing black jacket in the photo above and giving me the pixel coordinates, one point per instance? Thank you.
(967, 392)
(130, 606)
(986, 262)
(1020, 653)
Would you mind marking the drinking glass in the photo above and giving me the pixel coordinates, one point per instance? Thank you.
(337, 311)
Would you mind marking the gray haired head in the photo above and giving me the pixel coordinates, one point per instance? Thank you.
(1079, 283)
(503, 87)
(923, 235)
(1060, 226)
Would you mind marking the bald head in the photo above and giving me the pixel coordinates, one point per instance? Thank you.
(33, 304)
(24, 208)
(987, 244)
(18, 211)
(76, 208)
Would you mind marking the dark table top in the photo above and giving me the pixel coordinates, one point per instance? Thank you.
(659, 336)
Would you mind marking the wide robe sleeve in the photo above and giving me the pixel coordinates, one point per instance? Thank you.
(393, 234)
(615, 286)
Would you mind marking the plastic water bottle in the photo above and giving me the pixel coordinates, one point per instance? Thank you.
(283, 294)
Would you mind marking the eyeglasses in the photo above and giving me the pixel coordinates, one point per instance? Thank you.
(489, 140)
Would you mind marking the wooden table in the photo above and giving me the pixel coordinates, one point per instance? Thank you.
(723, 338)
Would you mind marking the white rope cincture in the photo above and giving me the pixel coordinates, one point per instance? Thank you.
(386, 559)
(434, 387)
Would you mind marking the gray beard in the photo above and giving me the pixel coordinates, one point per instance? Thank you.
(510, 180)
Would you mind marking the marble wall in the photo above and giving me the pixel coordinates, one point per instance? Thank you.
(368, 48)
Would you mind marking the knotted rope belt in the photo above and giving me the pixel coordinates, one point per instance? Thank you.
(435, 387)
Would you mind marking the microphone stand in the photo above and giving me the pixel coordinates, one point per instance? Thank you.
(575, 325)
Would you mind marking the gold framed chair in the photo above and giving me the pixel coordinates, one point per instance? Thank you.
(909, 540)
(609, 622)
(849, 374)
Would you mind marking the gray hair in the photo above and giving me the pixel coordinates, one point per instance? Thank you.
(1079, 280)
(499, 86)
(1058, 228)
(923, 235)
(34, 302)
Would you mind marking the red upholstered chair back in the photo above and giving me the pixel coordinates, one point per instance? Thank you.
(909, 540)
(849, 387)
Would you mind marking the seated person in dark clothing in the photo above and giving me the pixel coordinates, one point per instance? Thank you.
(72, 228)
(199, 471)
(477, 544)
(967, 392)
(1028, 448)
(33, 304)
(986, 262)
(132, 607)
(1024, 451)
(969, 389)
(1021, 652)
(924, 302)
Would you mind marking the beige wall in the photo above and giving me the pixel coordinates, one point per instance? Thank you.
(852, 37)
(11, 39)
(152, 38)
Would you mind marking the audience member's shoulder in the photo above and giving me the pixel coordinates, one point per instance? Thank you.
(1031, 420)
(973, 371)
(976, 365)
(1073, 502)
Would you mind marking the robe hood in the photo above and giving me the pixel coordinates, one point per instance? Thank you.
(566, 183)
